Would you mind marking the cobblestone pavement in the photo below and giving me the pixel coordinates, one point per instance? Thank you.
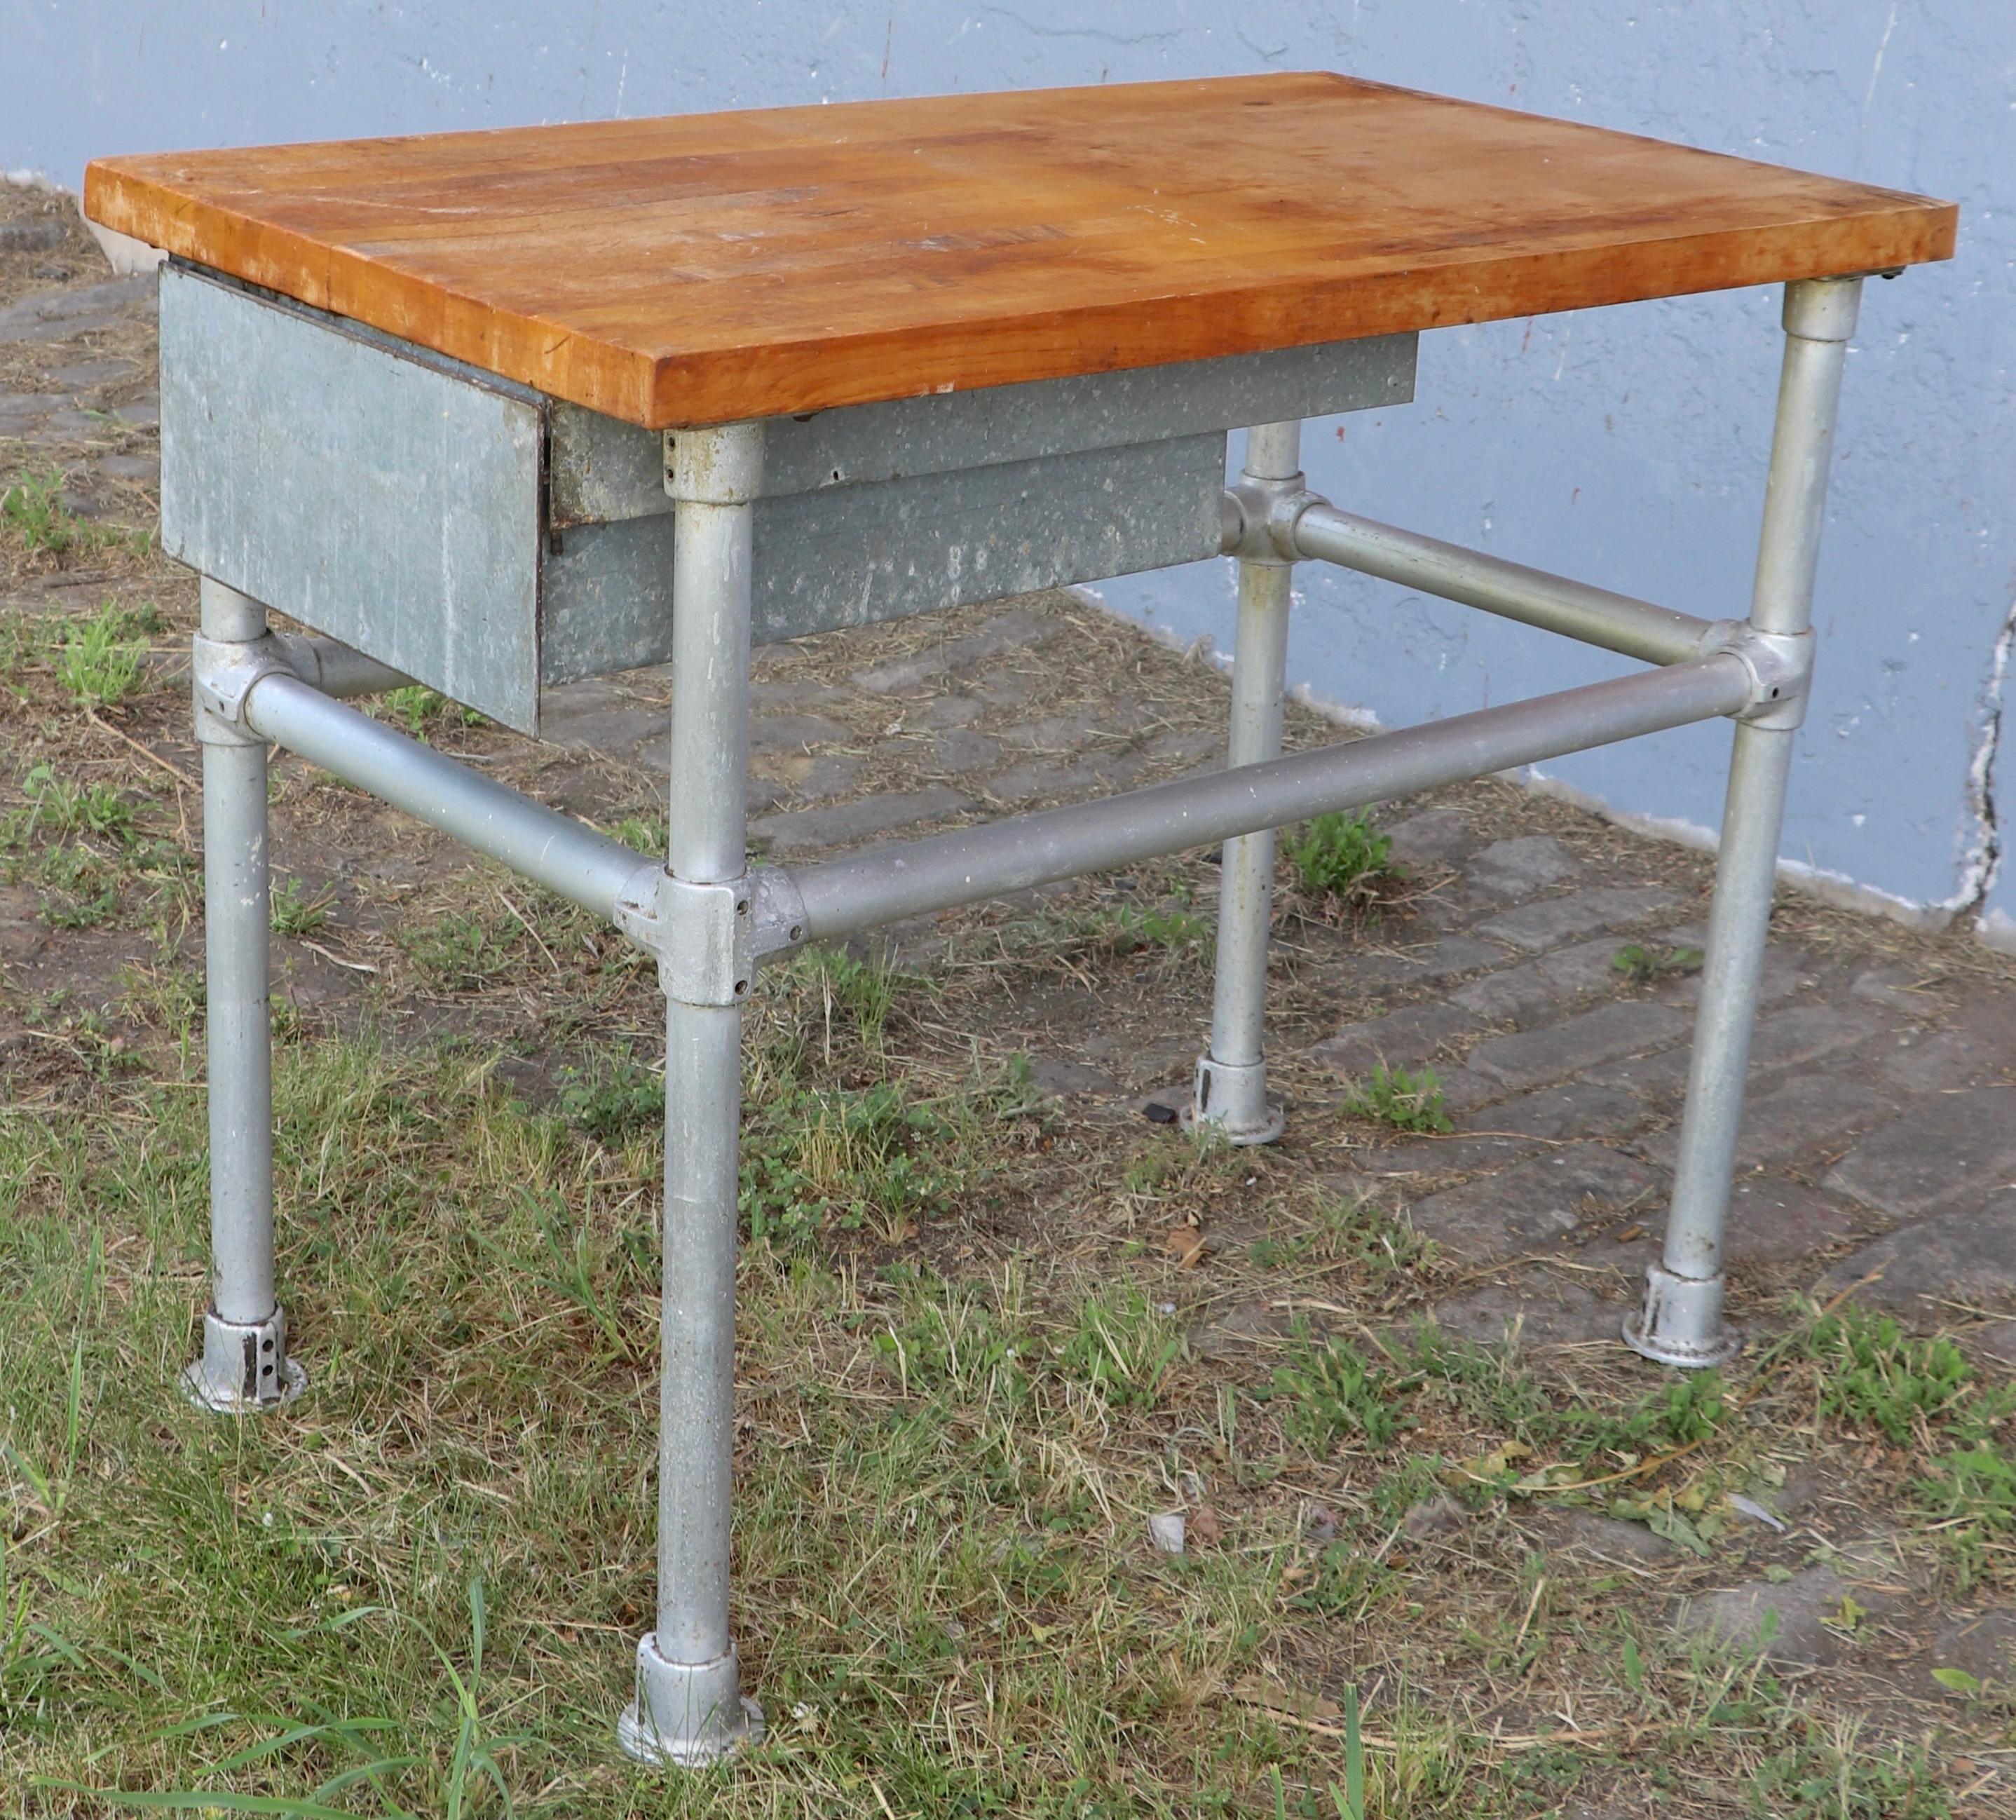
(1878, 1158)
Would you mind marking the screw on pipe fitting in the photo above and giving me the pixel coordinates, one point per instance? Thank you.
(1681, 1322)
(244, 1369)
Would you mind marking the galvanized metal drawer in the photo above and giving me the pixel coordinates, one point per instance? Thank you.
(489, 540)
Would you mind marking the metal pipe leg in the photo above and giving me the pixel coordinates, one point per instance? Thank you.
(244, 1365)
(690, 1707)
(1230, 1096)
(1681, 1323)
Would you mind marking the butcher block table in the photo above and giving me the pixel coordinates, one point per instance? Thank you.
(493, 411)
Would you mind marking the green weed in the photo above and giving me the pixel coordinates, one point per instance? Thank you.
(1687, 1411)
(1408, 1102)
(34, 513)
(1643, 966)
(101, 660)
(418, 709)
(58, 807)
(463, 952)
(1327, 1393)
(1342, 855)
(616, 1100)
(1123, 1347)
(295, 912)
(1874, 1372)
(869, 1159)
(1823, 1776)
(862, 992)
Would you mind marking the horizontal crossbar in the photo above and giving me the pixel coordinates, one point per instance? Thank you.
(886, 883)
(1617, 622)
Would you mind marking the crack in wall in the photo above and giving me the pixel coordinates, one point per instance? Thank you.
(1983, 864)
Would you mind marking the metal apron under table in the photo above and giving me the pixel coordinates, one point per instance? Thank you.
(494, 526)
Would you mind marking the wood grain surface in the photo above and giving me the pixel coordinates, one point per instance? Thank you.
(708, 268)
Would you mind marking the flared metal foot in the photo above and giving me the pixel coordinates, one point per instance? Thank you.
(687, 1715)
(1230, 1099)
(1681, 1323)
(244, 1367)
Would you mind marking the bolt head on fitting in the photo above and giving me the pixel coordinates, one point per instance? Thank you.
(1681, 1323)
(244, 1368)
(1230, 1099)
(687, 1715)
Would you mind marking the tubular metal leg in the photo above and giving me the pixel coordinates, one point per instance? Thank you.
(244, 1365)
(1231, 1091)
(1681, 1323)
(689, 1708)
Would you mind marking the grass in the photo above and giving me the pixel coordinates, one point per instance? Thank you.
(1343, 858)
(1643, 966)
(296, 911)
(1407, 1102)
(943, 1589)
(100, 662)
(420, 711)
(35, 521)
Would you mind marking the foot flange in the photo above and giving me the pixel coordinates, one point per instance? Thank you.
(1681, 1323)
(1231, 1100)
(687, 1714)
(244, 1367)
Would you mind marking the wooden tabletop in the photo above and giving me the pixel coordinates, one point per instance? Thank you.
(708, 268)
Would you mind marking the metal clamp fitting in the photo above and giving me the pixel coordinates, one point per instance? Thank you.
(222, 672)
(703, 940)
(721, 465)
(1259, 518)
(708, 937)
(1781, 670)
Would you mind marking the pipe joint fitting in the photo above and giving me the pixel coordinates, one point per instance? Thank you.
(1259, 518)
(1823, 309)
(223, 672)
(1781, 671)
(244, 1368)
(687, 1714)
(719, 466)
(1681, 1322)
(708, 937)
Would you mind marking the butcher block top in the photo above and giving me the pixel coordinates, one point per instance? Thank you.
(709, 268)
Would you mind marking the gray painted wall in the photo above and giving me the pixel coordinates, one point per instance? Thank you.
(1624, 446)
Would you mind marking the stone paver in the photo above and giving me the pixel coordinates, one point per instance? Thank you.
(1407, 1039)
(1949, 1149)
(801, 830)
(1538, 1058)
(1431, 838)
(1554, 920)
(1982, 1645)
(1979, 1044)
(1794, 1116)
(1936, 1267)
(1517, 868)
(1534, 1204)
(1521, 994)
(1785, 1622)
(1004, 632)
(1773, 1220)
(56, 315)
